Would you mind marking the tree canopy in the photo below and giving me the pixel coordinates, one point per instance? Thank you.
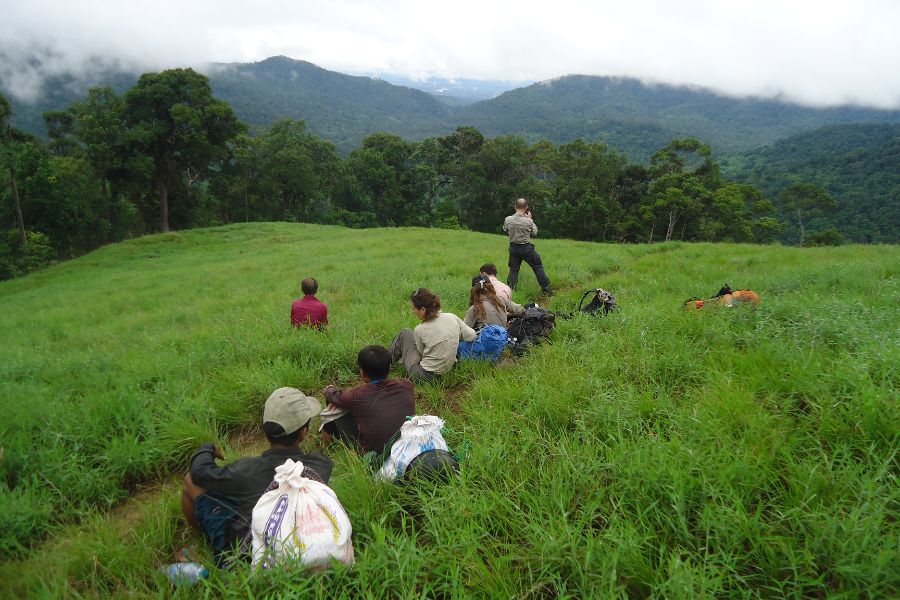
(174, 121)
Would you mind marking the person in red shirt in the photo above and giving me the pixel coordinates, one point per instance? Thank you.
(308, 310)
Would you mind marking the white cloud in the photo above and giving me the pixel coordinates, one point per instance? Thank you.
(818, 52)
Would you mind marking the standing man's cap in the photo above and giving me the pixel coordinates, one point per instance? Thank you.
(290, 408)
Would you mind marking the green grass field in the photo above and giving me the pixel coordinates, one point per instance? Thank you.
(653, 453)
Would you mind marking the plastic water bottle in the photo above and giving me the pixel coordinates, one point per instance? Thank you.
(185, 572)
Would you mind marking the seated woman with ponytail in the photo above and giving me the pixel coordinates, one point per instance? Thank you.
(430, 350)
(486, 307)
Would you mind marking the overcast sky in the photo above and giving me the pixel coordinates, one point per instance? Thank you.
(818, 52)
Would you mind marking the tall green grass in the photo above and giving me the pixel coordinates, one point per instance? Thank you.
(652, 453)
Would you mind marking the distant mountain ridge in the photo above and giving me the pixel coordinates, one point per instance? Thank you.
(859, 164)
(465, 90)
(630, 116)
(338, 107)
(639, 118)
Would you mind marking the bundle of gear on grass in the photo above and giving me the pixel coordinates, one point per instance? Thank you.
(532, 327)
(489, 344)
(601, 304)
(302, 521)
(417, 451)
(724, 297)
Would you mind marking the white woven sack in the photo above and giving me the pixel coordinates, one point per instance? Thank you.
(420, 434)
(300, 521)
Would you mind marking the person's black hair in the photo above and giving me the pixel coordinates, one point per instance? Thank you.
(309, 286)
(375, 361)
(276, 435)
(489, 268)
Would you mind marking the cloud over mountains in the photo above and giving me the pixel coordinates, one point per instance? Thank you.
(822, 52)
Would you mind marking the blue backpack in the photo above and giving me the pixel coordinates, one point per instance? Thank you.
(489, 344)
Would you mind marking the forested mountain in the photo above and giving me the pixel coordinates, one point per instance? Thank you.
(169, 154)
(340, 108)
(637, 118)
(630, 116)
(857, 164)
(60, 91)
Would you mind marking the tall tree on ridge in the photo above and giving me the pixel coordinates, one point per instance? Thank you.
(806, 197)
(173, 118)
(684, 175)
(9, 160)
(93, 129)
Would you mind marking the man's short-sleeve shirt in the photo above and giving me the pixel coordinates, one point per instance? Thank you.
(520, 228)
(503, 291)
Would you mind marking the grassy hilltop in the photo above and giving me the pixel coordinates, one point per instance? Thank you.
(652, 453)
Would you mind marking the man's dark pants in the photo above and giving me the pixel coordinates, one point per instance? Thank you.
(344, 429)
(526, 252)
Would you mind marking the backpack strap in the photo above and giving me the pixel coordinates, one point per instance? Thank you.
(586, 294)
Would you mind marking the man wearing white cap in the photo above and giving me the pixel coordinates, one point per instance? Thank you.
(220, 499)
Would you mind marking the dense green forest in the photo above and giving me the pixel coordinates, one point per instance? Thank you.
(858, 164)
(168, 153)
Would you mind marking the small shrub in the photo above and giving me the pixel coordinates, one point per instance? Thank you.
(448, 223)
(17, 259)
(829, 237)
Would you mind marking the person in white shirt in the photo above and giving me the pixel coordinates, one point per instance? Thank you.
(430, 350)
(504, 292)
(486, 307)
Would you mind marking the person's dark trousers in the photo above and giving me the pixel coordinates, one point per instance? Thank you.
(344, 430)
(526, 252)
(403, 349)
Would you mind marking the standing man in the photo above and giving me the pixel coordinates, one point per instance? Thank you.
(520, 228)
(309, 310)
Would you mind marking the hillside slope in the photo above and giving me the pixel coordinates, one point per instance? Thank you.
(655, 452)
(341, 108)
(858, 164)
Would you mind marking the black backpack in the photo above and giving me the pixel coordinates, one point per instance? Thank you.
(601, 304)
(533, 326)
(435, 465)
